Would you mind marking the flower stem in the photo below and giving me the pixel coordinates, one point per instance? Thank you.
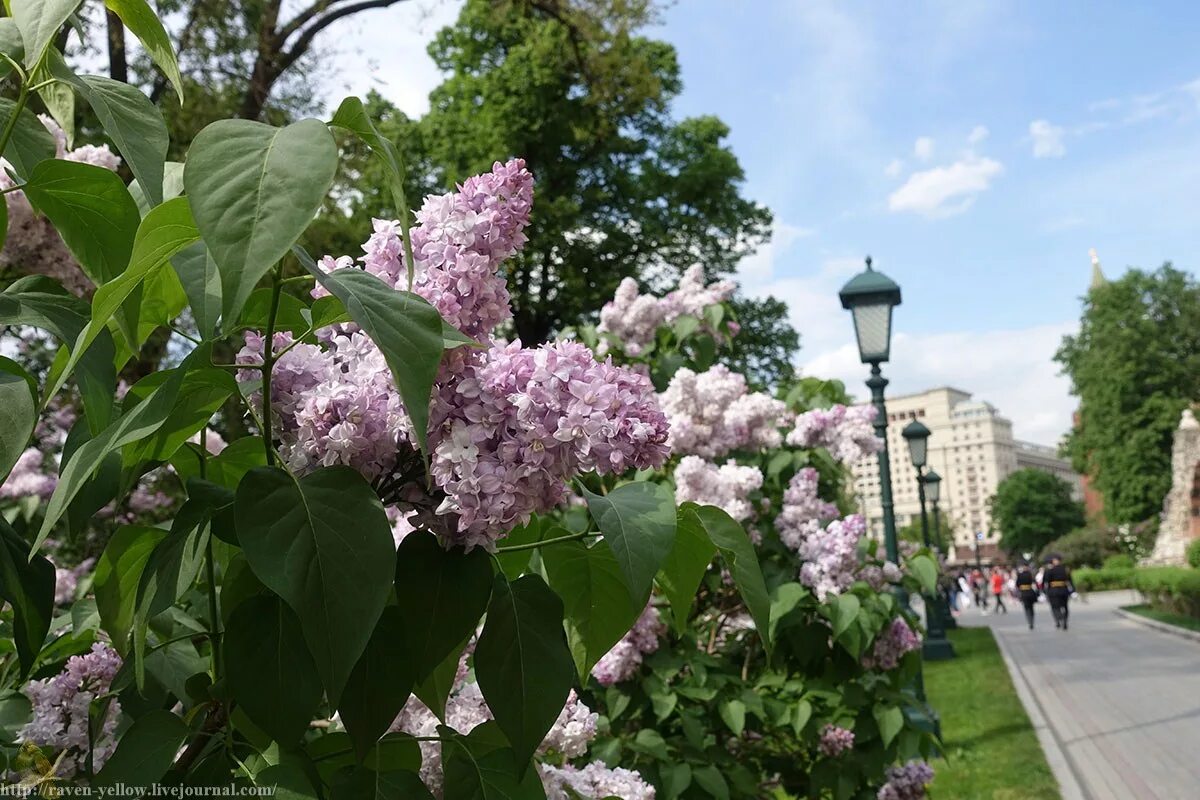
(574, 537)
(267, 365)
(22, 99)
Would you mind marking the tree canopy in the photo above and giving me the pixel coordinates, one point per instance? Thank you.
(1033, 508)
(1135, 365)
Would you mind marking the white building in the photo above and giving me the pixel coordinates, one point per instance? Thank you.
(972, 448)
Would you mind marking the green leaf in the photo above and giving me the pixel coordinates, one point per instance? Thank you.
(270, 672)
(30, 144)
(10, 44)
(28, 586)
(742, 561)
(42, 303)
(733, 714)
(287, 781)
(403, 325)
(39, 22)
(201, 394)
(162, 301)
(91, 209)
(801, 714)
(481, 766)
(522, 662)
(381, 682)
(165, 231)
(596, 602)
(143, 22)
(890, 720)
(364, 784)
(435, 689)
(18, 412)
(118, 574)
(227, 467)
(685, 566)
(323, 543)
(142, 421)
(638, 522)
(250, 199)
(842, 612)
(444, 593)
(57, 95)
(198, 273)
(145, 752)
(710, 779)
(924, 569)
(135, 126)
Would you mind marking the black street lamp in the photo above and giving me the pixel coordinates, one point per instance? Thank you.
(933, 490)
(937, 647)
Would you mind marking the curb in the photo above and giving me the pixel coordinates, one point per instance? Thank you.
(1060, 763)
(1162, 627)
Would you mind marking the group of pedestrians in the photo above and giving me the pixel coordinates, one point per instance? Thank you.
(988, 587)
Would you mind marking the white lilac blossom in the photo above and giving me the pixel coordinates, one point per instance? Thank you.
(835, 740)
(28, 479)
(712, 413)
(509, 426)
(60, 710)
(847, 432)
(622, 662)
(803, 510)
(728, 486)
(633, 318)
(596, 781)
(906, 782)
(891, 645)
(830, 556)
(733, 627)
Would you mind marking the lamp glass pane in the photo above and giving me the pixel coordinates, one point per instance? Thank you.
(872, 324)
(916, 449)
(932, 490)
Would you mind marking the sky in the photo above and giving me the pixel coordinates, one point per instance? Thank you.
(976, 151)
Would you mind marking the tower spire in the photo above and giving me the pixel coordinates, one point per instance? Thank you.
(1098, 278)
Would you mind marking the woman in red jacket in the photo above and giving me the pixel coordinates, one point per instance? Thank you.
(998, 589)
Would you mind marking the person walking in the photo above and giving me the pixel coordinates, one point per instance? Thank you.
(1058, 591)
(1027, 589)
(998, 590)
(964, 591)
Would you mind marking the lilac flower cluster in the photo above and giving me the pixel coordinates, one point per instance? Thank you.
(60, 710)
(878, 576)
(33, 246)
(803, 510)
(846, 432)
(622, 662)
(835, 740)
(728, 486)
(595, 781)
(27, 478)
(891, 645)
(830, 557)
(66, 581)
(633, 318)
(907, 782)
(712, 413)
(508, 426)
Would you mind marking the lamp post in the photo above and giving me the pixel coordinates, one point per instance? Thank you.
(933, 490)
(936, 647)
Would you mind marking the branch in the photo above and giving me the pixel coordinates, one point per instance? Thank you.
(308, 34)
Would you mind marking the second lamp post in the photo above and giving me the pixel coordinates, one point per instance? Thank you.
(937, 647)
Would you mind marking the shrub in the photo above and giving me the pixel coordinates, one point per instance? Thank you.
(1086, 547)
(1174, 589)
(1119, 562)
(1193, 553)
(1098, 580)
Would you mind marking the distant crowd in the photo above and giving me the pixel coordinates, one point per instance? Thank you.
(988, 587)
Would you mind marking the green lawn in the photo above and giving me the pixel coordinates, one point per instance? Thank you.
(992, 752)
(1179, 620)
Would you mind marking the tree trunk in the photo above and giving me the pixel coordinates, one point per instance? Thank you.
(118, 66)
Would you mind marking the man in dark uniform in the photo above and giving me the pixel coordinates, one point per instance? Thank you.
(1058, 590)
(1027, 588)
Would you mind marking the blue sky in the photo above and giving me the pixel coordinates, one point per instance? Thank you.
(976, 150)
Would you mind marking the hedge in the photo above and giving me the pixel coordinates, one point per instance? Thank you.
(1174, 589)
(1098, 580)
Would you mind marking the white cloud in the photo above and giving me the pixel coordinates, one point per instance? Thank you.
(977, 135)
(1047, 139)
(923, 148)
(760, 266)
(1011, 369)
(944, 191)
(894, 168)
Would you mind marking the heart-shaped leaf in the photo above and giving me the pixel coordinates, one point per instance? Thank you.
(28, 586)
(381, 682)
(638, 522)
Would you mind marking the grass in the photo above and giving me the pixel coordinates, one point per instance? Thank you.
(992, 751)
(1178, 620)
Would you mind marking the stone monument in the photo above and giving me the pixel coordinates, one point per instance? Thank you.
(1180, 522)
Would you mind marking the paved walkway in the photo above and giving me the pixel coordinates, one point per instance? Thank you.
(1118, 701)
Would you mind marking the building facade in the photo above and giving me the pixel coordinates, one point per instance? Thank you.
(971, 446)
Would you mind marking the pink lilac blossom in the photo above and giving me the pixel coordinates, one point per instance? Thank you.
(728, 486)
(878, 576)
(625, 658)
(830, 556)
(27, 478)
(891, 645)
(66, 581)
(847, 432)
(906, 782)
(803, 510)
(712, 413)
(634, 318)
(835, 740)
(60, 710)
(595, 781)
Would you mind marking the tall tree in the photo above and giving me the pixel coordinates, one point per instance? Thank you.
(1135, 365)
(623, 188)
(1033, 508)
